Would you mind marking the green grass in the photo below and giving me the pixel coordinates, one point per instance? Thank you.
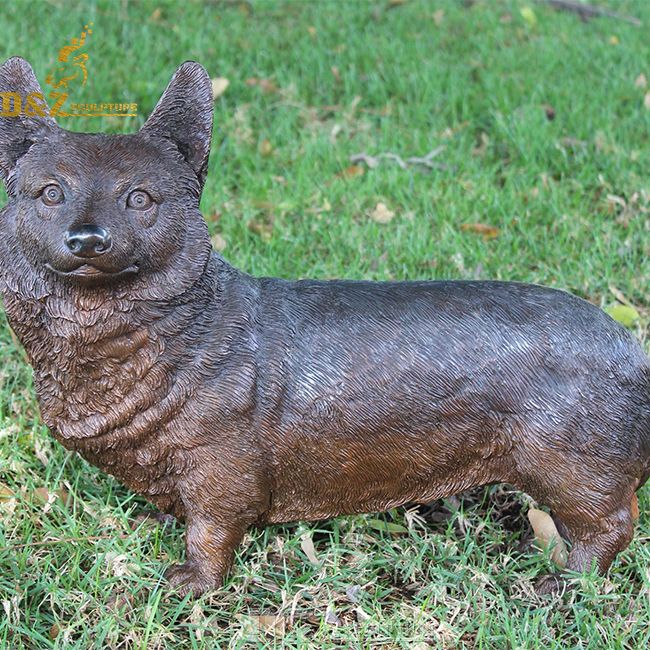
(81, 572)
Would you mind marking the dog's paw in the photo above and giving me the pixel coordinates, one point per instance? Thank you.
(188, 578)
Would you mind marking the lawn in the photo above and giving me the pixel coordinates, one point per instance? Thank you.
(539, 123)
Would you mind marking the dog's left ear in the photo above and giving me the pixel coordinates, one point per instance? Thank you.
(24, 115)
(183, 115)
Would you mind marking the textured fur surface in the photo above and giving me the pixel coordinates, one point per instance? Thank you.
(230, 400)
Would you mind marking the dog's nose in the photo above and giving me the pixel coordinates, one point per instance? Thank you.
(88, 241)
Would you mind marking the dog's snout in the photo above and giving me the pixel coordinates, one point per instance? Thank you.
(88, 241)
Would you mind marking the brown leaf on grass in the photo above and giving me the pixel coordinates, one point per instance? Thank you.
(438, 17)
(488, 232)
(44, 496)
(252, 626)
(546, 535)
(353, 171)
(312, 31)
(266, 85)
(155, 15)
(41, 495)
(392, 4)
(549, 111)
(6, 492)
(381, 214)
(54, 631)
(641, 81)
(219, 85)
(265, 148)
(263, 229)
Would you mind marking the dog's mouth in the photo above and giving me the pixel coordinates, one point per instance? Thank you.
(90, 272)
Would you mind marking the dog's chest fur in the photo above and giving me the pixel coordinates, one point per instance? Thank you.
(120, 380)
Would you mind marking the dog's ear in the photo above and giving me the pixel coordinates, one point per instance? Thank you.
(24, 115)
(184, 115)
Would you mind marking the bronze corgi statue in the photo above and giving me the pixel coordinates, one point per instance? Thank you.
(231, 401)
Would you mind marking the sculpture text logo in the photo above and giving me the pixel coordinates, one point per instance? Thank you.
(70, 74)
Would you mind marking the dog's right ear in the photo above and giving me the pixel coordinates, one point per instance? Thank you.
(183, 115)
(24, 115)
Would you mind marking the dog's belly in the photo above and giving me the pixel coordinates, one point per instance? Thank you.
(377, 471)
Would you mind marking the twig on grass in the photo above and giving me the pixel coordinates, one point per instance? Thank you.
(586, 11)
(426, 161)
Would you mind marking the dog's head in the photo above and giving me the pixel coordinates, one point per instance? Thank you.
(98, 210)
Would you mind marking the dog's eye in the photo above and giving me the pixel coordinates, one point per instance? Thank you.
(52, 195)
(139, 200)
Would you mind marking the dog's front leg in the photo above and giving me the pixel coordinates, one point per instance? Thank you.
(210, 545)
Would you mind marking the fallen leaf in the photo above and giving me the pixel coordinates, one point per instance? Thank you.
(264, 230)
(353, 592)
(6, 492)
(331, 617)
(219, 85)
(488, 232)
(547, 537)
(267, 624)
(266, 85)
(218, 242)
(641, 81)
(54, 631)
(550, 112)
(312, 31)
(155, 15)
(352, 172)
(118, 564)
(646, 101)
(438, 17)
(307, 546)
(64, 495)
(41, 495)
(624, 314)
(266, 148)
(387, 526)
(381, 214)
(529, 16)
(613, 40)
